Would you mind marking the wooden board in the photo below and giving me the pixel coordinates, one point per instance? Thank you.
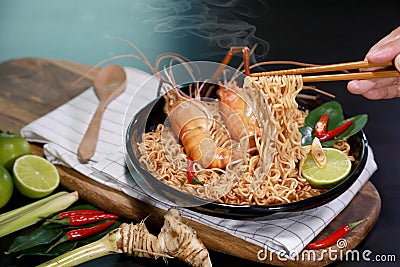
(29, 88)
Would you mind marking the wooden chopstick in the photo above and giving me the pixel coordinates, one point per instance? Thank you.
(352, 76)
(337, 67)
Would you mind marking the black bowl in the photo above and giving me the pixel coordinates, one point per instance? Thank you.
(153, 114)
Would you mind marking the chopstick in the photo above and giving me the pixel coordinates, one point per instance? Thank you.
(337, 67)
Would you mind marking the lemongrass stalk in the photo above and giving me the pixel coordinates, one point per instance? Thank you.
(102, 247)
(36, 214)
(17, 212)
(35, 208)
(112, 243)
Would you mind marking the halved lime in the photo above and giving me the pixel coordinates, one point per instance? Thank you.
(338, 167)
(34, 176)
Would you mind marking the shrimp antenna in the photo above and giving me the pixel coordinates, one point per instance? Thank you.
(234, 77)
(143, 59)
(232, 51)
(178, 58)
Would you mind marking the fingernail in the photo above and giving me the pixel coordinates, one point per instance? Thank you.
(352, 86)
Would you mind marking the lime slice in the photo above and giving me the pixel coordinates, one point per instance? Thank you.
(34, 176)
(338, 167)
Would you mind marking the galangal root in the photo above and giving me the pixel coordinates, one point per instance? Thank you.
(175, 240)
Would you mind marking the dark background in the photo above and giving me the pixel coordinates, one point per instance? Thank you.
(322, 32)
(325, 32)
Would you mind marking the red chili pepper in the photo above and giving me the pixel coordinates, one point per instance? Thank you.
(321, 125)
(190, 173)
(335, 236)
(76, 234)
(335, 132)
(68, 213)
(76, 220)
(86, 232)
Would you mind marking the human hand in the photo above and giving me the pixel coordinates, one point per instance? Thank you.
(385, 50)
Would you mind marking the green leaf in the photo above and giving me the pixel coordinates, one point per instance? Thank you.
(84, 207)
(197, 181)
(42, 236)
(307, 135)
(56, 251)
(62, 248)
(336, 118)
(329, 143)
(358, 124)
(334, 111)
(2, 134)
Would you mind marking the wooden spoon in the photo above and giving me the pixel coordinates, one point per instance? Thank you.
(109, 82)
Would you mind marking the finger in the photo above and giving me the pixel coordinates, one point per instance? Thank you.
(391, 91)
(394, 35)
(384, 53)
(363, 86)
(360, 87)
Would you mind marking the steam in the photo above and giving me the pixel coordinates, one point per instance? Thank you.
(221, 22)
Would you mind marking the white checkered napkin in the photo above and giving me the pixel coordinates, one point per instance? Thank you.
(63, 128)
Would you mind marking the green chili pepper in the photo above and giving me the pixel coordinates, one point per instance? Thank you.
(190, 173)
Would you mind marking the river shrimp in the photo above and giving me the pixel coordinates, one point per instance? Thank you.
(192, 122)
(239, 116)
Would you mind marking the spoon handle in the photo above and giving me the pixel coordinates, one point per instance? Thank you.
(88, 144)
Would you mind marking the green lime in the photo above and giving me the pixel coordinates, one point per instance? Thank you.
(338, 167)
(11, 147)
(6, 186)
(34, 176)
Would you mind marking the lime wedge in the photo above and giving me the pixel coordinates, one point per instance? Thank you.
(338, 167)
(34, 176)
